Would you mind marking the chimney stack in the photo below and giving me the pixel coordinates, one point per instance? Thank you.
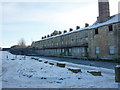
(104, 12)
(86, 24)
(70, 29)
(77, 27)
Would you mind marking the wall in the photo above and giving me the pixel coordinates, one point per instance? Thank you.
(71, 44)
(104, 39)
(84, 43)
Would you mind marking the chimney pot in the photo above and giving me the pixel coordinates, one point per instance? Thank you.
(70, 29)
(86, 24)
(77, 27)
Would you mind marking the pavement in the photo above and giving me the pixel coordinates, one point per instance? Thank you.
(103, 64)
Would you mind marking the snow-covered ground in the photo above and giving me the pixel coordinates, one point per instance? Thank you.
(26, 72)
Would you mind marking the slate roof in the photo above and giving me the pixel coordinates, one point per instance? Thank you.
(113, 19)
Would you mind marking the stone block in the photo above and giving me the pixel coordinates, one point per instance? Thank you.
(61, 65)
(46, 62)
(95, 72)
(40, 60)
(74, 70)
(51, 63)
(35, 58)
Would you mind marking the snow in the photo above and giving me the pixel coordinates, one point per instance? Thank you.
(25, 72)
(73, 68)
(118, 66)
(113, 19)
(94, 71)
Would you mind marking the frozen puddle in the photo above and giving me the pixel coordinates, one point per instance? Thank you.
(33, 72)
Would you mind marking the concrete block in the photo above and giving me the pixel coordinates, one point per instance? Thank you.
(61, 65)
(95, 72)
(74, 70)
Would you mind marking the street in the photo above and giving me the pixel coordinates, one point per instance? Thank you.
(109, 65)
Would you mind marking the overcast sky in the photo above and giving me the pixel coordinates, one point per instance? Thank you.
(32, 20)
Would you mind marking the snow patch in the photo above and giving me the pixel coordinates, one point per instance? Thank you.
(30, 73)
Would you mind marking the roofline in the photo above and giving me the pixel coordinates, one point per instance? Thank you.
(97, 25)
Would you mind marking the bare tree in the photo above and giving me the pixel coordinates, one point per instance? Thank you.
(21, 43)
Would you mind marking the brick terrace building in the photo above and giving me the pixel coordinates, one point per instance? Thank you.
(100, 40)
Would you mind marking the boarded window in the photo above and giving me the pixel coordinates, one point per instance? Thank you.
(112, 49)
(62, 42)
(79, 50)
(83, 51)
(110, 28)
(97, 51)
(63, 50)
(87, 50)
(70, 50)
(96, 31)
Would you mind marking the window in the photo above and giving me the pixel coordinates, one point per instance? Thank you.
(74, 50)
(110, 28)
(62, 42)
(63, 50)
(70, 50)
(83, 51)
(86, 38)
(78, 50)
(97, 50)
(96, 31)
(112, 50)
(87, 50)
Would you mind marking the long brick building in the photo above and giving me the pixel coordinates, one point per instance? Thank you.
(100, 40)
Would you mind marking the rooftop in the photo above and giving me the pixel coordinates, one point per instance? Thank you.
(113, 19)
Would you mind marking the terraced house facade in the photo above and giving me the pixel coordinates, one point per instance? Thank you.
(100, 40)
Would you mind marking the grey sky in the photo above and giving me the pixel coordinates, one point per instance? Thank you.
(32, 20)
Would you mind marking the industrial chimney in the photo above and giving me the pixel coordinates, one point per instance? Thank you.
(104, 12)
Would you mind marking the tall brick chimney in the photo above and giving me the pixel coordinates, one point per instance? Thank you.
(104, 12)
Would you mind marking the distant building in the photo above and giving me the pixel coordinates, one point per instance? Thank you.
(100, 40)
(5, 49)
